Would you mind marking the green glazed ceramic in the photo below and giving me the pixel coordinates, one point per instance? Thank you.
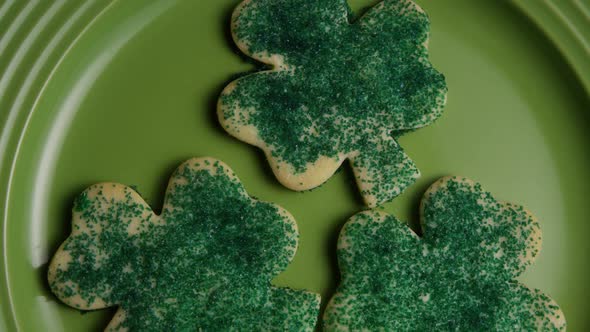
(113, 90)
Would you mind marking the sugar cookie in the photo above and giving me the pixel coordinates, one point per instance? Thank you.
(336, 90)
(459, 276)
(205, 263)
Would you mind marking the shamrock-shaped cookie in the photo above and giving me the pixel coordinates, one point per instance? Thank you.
(459, 276)
(204, 264)
(335, 90)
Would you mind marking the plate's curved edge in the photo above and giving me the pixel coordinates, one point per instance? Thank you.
(31, 33)
(564, 22)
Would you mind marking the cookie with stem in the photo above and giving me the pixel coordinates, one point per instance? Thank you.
(334, 88)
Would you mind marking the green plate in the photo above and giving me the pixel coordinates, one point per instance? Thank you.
(102, 90)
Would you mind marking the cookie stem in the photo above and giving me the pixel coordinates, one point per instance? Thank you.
(383, 171)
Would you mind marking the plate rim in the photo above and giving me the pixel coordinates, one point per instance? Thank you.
(562, 22)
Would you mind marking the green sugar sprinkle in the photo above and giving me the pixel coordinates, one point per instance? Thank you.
(460, 276)
(344, 87)
(204, 264)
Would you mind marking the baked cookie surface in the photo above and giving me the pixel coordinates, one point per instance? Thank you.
(459, 276)
(336, 89)
(204, 264)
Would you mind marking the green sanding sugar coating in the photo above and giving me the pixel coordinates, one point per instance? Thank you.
(204, 264)
(460, 276)
(338, 86)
